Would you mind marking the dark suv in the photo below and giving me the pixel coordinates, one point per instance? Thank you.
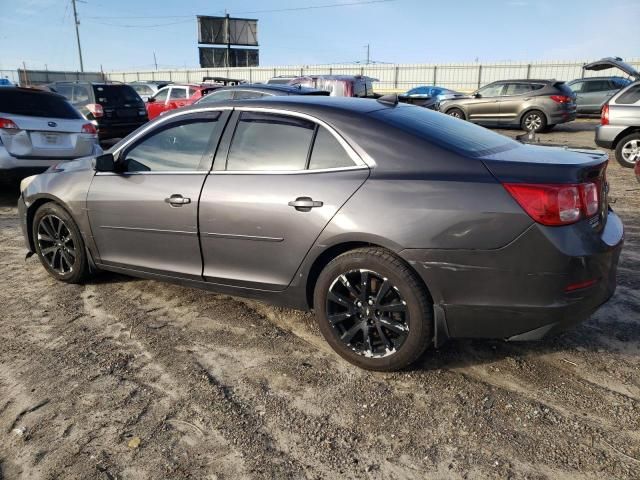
(533, 105)
(115, 109)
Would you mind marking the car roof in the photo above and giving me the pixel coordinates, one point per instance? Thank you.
(35, 91)
(525, 80)
(272, 87)
(609, 77)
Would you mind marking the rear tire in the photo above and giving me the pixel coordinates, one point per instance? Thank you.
(628, 150)
(373, 310)
(456, 113)
(533, 121)
(59, 244)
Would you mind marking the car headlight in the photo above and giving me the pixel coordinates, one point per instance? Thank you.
(26, 182)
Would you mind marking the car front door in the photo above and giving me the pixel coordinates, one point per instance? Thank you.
(274, 187)
(156, 106)
(145, 217)
(485, 108)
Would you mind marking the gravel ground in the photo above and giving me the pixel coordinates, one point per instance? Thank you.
(125, 378)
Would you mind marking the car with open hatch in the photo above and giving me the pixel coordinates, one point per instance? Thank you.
(398, 226)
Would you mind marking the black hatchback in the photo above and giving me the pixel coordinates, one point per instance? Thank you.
(116, 109)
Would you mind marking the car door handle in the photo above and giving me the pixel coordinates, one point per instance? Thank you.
(177, 200)
(304, 204)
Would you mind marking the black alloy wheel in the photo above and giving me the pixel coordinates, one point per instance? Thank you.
(368, 313)
(59, 244)
(373, 309)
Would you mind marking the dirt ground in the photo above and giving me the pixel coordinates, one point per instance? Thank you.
(124, 378)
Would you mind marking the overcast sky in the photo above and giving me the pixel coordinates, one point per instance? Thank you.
(123, 34)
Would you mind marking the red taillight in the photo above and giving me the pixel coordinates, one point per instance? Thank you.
(556, 204)
(8, 124)
(580, 285)
(604, 115)
(89, 128)
(95, 109)
(561, 98)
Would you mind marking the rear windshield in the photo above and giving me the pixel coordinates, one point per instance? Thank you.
(116, 95)
(564, 88)
(447, 132)
(34, 104)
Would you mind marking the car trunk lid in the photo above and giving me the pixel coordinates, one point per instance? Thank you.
(613, 62)
(46, 137)
(540, 165)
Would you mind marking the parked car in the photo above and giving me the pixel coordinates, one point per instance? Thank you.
(258, 90)
(397, 225)
(619, 127)
(339, 85)
(114, 108)
(429, 96)
(533, 105)
(176, 96)
(39, 129)
(223, 81)
(592, 93)
(147, 89)
(281, 80)
(5, 82)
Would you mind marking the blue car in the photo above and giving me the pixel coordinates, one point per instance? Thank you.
(429, 96)
(5, 82)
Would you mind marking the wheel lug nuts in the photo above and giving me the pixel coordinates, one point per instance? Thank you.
(370, 302)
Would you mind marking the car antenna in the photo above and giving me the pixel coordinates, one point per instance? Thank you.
(390, 99)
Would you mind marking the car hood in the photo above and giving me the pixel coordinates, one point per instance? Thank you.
(613, 62)
(77, 165)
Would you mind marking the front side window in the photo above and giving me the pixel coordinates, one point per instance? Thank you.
(576, 87)
(270, 142)
(161, 96)
(327, 152)
(65, 90)
(491, 90)
(80, 95)
(143, 90)
(176, 147)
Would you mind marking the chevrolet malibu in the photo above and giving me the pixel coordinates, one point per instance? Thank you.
(399, 226)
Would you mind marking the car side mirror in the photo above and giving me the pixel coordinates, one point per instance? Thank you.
(151, 99)
(476, 95)
(104, 163)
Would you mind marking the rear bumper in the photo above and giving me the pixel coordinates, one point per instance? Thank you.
(606, 135)
(562, 117)
(518, 292)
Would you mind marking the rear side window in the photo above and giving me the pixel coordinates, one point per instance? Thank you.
(218, 96)
(178, 147)
(33, 104)
(270, 142)
(596, 86)
(246, 94)
(327, 152)
(517, 88)
(630, 97)
(444, 131)
(178, 94)
(116, 95)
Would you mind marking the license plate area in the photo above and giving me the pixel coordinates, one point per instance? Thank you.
(49, 138)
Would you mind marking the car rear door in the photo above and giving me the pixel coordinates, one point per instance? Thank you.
(594, 93)
(514, 96)
(277, 180)
(146, 217)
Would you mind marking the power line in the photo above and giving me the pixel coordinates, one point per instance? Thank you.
(292, 9)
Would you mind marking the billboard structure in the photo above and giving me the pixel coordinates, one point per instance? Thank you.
(228, 32)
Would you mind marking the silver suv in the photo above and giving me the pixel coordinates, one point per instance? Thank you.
(620, 125)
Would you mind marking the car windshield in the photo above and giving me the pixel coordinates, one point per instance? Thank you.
(445, 131)
(116, 95)
(35, 104)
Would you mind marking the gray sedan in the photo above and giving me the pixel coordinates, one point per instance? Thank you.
(399, 226)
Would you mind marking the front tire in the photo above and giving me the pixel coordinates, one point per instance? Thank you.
(628, 150)
(59, 244)
(373, 310)
(533, 121)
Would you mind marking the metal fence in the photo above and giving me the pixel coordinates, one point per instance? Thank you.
(392, 77)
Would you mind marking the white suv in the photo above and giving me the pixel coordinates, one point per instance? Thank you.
(39, 129)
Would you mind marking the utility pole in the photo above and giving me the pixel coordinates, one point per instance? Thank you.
(368, 56)
(75, 17)
(228, 34)
(155, 61)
